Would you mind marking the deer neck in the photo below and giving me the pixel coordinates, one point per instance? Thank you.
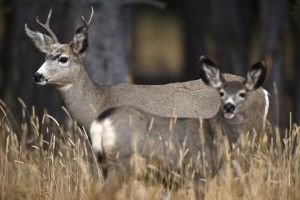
(82, 98)
(230, 127)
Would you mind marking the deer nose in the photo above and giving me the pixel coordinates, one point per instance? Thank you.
(37, 77)
(229, 108)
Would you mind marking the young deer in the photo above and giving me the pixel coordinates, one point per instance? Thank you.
(131, 142)
(85, 99)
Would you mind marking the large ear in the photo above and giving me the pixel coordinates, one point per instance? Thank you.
(80, 41)
(256, 76)
(210, 73)
(41, 41)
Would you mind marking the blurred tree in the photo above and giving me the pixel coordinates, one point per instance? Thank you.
(106, 60)
(194, 18)
(22, 59)
(3, 10)
(296, 46)
(274, 20)
(231, 25)
(231, 29)
(296, 80)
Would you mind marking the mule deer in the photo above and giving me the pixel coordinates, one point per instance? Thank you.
(130, 141)
(85, 99)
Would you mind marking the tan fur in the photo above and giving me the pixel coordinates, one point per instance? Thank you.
(173, 150)
(85, 99)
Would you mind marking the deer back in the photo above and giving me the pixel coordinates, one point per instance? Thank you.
(128, 137)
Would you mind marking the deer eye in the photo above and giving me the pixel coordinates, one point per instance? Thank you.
(242, 94)
(221, 94)
(63, 60)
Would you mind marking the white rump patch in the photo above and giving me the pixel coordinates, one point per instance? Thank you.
(109, 135)
(267, 103)
(96, 132)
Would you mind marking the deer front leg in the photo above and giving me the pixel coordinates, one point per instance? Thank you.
(111, 185)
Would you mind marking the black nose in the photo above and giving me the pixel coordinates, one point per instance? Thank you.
(37, 77)
(229, 108)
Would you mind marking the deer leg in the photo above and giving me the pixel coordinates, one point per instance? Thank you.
(165, 195)
(137, 190)
(111, 185)
(199, 191)
(239, 171)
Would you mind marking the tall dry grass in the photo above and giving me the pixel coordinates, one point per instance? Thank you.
(40, 159)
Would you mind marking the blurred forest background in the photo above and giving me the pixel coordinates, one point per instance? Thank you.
(156, 42)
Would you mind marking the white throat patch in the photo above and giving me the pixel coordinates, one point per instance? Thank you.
(66, 87)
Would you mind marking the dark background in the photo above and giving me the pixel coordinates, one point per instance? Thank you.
(137, 41)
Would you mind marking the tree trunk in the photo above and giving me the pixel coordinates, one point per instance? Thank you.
(106, 59)
(296, 83)
(194, 18)
(273, 20)
(231, 27)
(22, 59)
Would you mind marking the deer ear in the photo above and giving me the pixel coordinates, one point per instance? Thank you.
(256, 76)
(80, 41)
(41, 41)
(210, 73)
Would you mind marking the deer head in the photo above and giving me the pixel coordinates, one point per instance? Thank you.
(233, 93)
(62, 60)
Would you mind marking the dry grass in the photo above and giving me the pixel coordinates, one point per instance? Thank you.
(39, 159)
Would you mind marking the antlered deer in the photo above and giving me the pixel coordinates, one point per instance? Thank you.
(85, 99)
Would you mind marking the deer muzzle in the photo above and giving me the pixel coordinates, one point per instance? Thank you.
(229, 109)
(39, 78)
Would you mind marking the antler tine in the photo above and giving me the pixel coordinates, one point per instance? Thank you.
(87, 24)
(47, 26)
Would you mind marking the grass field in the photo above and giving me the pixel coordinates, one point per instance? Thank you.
(39, 159)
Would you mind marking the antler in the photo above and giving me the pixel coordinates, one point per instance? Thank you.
(47, 27)
(87, 23)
